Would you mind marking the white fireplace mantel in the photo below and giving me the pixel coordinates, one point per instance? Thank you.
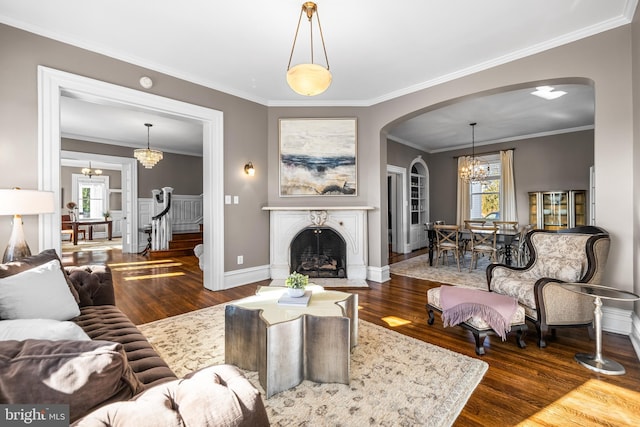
(317, 208)
(348, 221)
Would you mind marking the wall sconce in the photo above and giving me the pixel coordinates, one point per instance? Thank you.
(249, 169)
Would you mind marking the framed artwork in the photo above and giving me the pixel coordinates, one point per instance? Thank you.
(318, 157)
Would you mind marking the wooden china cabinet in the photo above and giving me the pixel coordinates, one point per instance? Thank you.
(555, 210)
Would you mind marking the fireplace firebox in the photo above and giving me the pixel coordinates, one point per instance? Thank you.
(319, 252)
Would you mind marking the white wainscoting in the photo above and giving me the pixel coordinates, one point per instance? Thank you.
(635, 333)
(186, 214)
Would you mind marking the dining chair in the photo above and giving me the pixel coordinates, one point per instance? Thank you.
(483, 241)
(468, 223)
(502, 247)
(448, 241)
(519, 248)
(506, 224)
(68, 229)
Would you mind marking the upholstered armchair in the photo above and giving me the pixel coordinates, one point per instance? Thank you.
(568, 256)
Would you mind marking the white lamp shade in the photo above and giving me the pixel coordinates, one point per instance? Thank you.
(25, 202)
(309, 79)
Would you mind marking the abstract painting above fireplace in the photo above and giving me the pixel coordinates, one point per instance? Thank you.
(318, 157)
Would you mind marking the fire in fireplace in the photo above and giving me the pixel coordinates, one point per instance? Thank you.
(319, 252)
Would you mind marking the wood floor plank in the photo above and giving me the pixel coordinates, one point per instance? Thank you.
(528, 387)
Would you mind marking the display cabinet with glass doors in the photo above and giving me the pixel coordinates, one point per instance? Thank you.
(556, 210)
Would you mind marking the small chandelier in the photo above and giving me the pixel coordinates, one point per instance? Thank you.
(90, 172)
(309, 79)
(473, 170)
(147, 156)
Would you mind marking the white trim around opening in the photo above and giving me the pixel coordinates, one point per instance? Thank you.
(53, 84)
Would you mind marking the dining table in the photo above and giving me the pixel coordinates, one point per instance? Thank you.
(90, 223)
(505, 235)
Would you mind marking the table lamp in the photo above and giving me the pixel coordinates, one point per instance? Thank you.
(19, 202)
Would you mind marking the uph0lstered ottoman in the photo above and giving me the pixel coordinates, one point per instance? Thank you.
(477, 324)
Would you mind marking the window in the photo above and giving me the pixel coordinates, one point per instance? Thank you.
(485, 196)
(91, 195)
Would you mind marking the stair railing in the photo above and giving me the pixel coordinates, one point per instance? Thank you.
(161, 232)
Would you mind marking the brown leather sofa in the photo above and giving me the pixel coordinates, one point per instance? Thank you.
(138, 389)
(219, 395)
(102, 320)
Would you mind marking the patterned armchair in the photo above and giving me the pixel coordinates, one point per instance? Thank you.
(574, 255)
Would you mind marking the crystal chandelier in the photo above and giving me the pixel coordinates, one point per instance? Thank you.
(309, 79)
(90, 172)
(147, 156)
(473, 170)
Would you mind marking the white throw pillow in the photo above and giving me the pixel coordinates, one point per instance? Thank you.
(39, 293)
(41, 329)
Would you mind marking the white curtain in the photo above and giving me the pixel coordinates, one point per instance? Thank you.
(508, 208)
(464, 197)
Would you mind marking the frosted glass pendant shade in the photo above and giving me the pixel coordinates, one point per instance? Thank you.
(309, 79)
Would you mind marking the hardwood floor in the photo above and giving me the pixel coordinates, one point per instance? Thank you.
(528, 387)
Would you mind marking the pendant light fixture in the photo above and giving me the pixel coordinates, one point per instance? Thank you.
(473, 170)
(147, 156)
(90, 172)
(309, 79)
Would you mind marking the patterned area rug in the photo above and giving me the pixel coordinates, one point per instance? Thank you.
(419, 268)
(395, 380)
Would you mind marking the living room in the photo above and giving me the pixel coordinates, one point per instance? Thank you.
(607, 59)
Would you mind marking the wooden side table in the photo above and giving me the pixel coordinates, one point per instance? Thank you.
(147, 229)
(596, 362)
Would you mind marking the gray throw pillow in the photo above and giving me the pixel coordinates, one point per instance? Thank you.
(82, 374)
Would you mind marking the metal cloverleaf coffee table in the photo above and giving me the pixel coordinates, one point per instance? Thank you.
(288, 344)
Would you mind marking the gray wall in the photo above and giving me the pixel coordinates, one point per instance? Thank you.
(603, 60)
(245, 133)
(251, 133)
(182, 172)
(402, 155)
(556, 162)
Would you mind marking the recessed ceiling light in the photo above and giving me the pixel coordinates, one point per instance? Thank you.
(547, 92)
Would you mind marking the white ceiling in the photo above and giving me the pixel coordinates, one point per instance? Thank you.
(377, 50)
(88, 119)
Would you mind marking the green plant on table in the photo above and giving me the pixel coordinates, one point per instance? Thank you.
(296, 281)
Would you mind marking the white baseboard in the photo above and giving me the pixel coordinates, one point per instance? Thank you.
(379, 274)
(616, 320)
(635, 333)
(245, 276)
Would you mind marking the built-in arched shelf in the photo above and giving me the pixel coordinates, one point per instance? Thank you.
(418, 203)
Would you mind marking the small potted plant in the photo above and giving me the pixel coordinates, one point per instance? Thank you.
(106, 215)
(296, 283)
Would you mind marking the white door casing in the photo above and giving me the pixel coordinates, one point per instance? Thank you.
(53, 84)
(401, 234)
